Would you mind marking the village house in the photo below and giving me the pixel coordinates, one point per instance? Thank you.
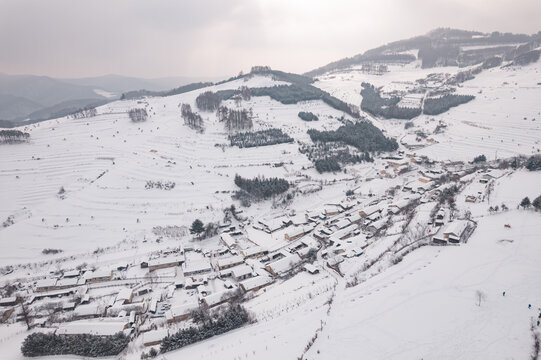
(98, 327)
(242, 272)
(440, 217)
(163, 263)
(254, 252)
(218, 298)
(8, 301)
(197, 267)
(283, 265)
(255, 283)
(376, 226)
(370, 211)
(228, 241)
(296, 232)
(228, 262)
(342, 233)
(87, 311)
(311, 269)
(330, 210)
(98, 276)
(180, 313)
(275, 224)
(46, 285)
(66, 283)
(124, 296)
(72, 274)
(154, 337)
(355, 218)
(453, 233)
(299, 219)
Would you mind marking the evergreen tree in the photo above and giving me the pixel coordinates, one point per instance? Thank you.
(525, 203)
(197, 227)
(537, 203)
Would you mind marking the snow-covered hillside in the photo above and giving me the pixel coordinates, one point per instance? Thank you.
(347, 266)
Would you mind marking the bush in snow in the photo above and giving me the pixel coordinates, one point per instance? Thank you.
(537, 203)
(534, 163)
(166, 185)
(480, 158)
(308, 116)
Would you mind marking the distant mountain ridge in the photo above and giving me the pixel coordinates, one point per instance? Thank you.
(34, 98)
(442, 47)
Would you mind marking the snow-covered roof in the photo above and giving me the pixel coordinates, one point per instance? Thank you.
(228, 261)
(67, 282)
(241, 270)
(228, 240)
(218, 297)
(295, 231)
(8, 300)
(342, 223)
(155, 336)
(124, 294)
(456, 228)
(311, 268)
(87, 310)
(284, 264)
(71, 273)
(44, 283)
(102, 327)
(342, 233)
(99, 273)
(181, 310)
(197, 266)
(252, 251)
(371, 210)
(255, 282)
(165, 261)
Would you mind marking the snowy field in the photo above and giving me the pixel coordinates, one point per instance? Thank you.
(422, 307)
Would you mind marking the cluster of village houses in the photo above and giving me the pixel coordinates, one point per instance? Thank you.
(140, 298)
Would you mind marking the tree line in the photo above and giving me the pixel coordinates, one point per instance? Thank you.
(13, 136)
(232, 318)
(235, 119)
(261, 187)
(138, 115)
(388, 108)
(41, 344)
(435, 106)
(208, 101)
(192, 119)
(83, 113)
(259, 138)
(362, 135)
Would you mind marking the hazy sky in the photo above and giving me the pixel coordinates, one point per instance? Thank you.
(155, 38)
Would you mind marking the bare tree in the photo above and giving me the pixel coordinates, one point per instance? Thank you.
(26, 313)
(480, 296)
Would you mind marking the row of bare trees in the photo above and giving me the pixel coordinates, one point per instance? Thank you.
(235, 119)
(192, 119)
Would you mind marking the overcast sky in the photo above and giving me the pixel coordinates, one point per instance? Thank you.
(159, 38)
